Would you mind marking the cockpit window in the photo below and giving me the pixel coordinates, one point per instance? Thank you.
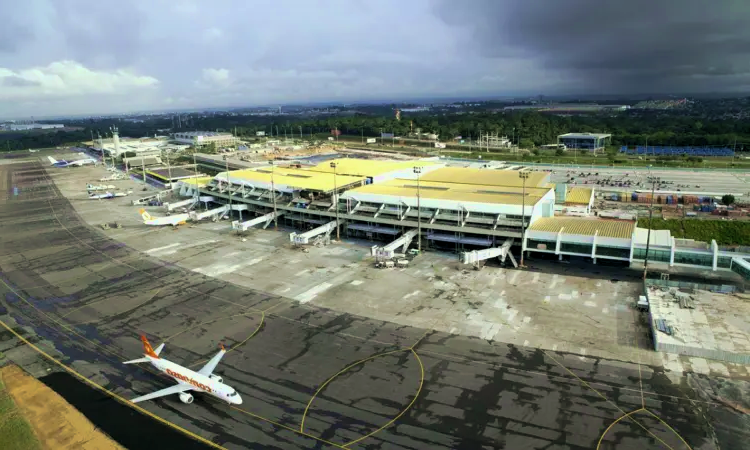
(232, 394)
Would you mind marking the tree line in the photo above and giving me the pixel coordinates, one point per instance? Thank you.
(526, 128)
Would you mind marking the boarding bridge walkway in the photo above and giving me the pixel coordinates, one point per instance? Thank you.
(267, 218)
(388, 251)
(157, 196)
(324, 231)
(475, 257)
(189, 203)
(196, 216)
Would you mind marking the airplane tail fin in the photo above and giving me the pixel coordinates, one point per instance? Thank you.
(52, 160)
(145, 214)
(148, 350)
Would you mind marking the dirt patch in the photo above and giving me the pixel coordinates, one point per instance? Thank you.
(57, 424)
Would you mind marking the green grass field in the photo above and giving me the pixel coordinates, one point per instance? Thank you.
(15, 431)
(724, 232)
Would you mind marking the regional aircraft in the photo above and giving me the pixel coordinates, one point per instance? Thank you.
(177, 219)
(107, 195)
(78, 163)
(201, 381)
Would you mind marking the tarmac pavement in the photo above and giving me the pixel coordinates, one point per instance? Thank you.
(310, 377)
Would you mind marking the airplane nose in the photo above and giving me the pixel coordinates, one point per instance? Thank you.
(238, 400)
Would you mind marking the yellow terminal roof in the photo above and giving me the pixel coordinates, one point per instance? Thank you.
(199, 181)
(366, 167)
(578, 195)
(453, 191)
(622, 229)
(486, 177)
(295, 178)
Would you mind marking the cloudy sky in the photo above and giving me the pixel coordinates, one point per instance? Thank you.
(103, 56)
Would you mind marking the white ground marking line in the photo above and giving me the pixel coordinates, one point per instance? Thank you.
(166, 247)
(312, 293)
(356, 282)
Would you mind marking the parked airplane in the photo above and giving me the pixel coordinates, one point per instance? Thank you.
(77, 163)
(100, 187)
(201, 381)
(108, 195)
(177, 219)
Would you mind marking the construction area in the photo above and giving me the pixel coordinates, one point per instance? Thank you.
(707, 324)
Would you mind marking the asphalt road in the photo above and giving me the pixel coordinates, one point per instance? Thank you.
(310, 378)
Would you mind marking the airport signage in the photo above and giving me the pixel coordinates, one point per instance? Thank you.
(371, 140)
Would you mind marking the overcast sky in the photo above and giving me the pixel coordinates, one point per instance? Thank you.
(103, 56)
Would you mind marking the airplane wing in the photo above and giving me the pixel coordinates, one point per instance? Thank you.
(176, 389)
(208, 369)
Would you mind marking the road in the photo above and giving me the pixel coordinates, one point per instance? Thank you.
(309, 377)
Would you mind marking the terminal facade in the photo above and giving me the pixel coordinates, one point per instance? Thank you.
(449, 208)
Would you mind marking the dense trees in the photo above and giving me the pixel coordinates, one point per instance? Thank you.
(526, 128)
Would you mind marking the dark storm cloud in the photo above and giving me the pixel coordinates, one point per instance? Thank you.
(618, 45)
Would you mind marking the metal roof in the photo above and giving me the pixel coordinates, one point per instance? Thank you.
(658, 237)
(585, 135)
(578, 195)
(453, 191)
(622, 229)
(367, 167)
(200, 182)
(294, 178)
(201, 133)
(486, 177)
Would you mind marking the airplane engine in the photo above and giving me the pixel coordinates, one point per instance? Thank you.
(186, 398)
(216, 378)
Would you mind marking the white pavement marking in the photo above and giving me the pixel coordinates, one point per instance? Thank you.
(356, 282)
(411, 295)
(159, 249)
(312, 293)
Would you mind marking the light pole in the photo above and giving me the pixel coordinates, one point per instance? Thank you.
(229, 185)
(418, 172)
(273, 195)
(524, 176)
(335, 198)
(654, 181)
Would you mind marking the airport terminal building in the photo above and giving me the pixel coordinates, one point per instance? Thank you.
(457, 209)
(591, 142)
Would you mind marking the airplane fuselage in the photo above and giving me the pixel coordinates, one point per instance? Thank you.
(200, 383)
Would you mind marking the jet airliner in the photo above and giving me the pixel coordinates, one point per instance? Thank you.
(177, 219)
(187, 380)
(76, 163)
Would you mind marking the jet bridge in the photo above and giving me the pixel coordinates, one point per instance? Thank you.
(189, 203)
(196, 216)
(475, 257)
(157, 196)
(323, 233)
(388, 251)
(267, 218)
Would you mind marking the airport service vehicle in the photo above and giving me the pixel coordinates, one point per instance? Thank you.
(177, 219)
(203, 380)
(76, 163)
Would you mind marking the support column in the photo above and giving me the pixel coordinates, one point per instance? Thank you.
(715, 250)
(672, 247)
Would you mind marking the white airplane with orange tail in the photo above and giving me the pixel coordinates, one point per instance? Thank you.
(187, 380)
(177, 219)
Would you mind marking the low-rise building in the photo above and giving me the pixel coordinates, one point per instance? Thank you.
(202, 138)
